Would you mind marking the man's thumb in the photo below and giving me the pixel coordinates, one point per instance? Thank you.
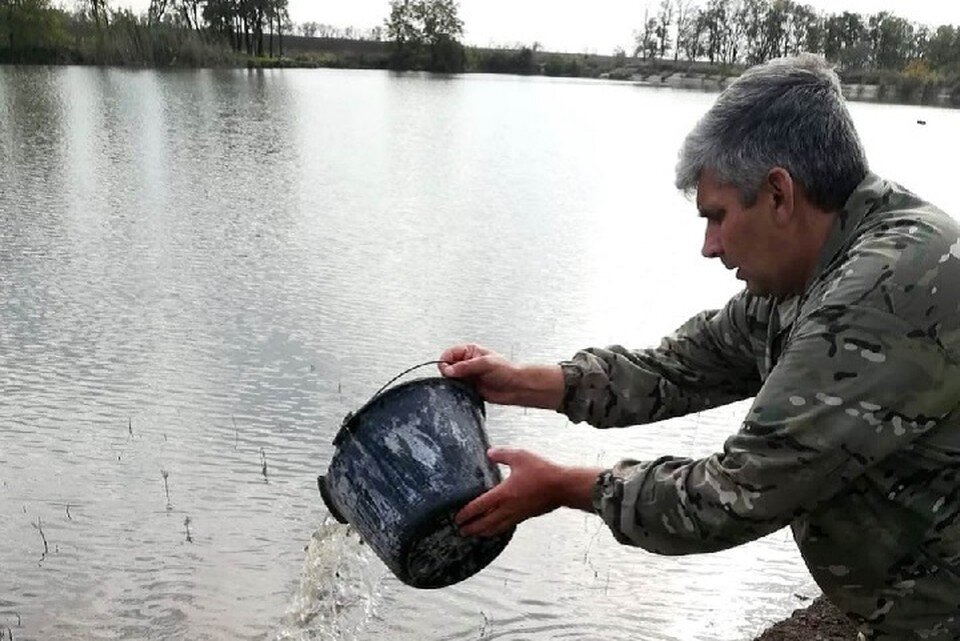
(503, 455)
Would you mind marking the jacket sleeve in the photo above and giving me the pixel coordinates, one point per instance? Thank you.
(853, 386)
(708, 362)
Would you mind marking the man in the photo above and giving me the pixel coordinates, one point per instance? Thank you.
(848, 337)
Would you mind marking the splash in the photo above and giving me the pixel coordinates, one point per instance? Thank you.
(338, 587)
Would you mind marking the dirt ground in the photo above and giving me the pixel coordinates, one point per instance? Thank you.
(820, 621)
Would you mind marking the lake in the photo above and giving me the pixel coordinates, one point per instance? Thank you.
(202, 272)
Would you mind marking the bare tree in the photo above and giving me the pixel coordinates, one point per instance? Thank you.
(646, 40)
(684, 9)
(156, 10)
(664, 20)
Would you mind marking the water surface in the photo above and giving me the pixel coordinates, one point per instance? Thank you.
(201, 272)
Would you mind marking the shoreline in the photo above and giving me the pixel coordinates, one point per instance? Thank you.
(924, 95)
(905, 87)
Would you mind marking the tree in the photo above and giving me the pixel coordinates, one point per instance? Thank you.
(816, 32)
(156, 10)
(774, 34)
(425, 34)
(29, 24)
(942, 49)
(716, 19)
(735, 32)
(690, 37)
(646, 39)
(98, 11)
(891, 38)
(684, 11)
(752, 13)
(221, 17)
(664, 20)
(189, 11)
(803, 32)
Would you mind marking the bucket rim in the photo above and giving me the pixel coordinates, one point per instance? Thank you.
(349, 421)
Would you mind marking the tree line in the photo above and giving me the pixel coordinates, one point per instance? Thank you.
(427, 34)
(243, 23)
(753, 31)
(170, 32)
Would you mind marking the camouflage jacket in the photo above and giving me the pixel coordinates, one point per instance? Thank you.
(853, 438)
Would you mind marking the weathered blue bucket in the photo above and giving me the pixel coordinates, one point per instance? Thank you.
(405, 463)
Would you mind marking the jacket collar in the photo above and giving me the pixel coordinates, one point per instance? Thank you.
(868, 197)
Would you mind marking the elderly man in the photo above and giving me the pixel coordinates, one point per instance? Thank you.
(848, 337)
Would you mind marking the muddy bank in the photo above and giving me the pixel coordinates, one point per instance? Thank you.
(819, 621)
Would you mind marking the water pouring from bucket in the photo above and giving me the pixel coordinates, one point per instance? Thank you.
(404, 465)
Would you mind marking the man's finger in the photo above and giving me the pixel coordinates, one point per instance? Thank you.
(454, 354)
(451, 356)
(488, 525)
(470, 367)
(479, 506)
(503, 526)
(504, 455)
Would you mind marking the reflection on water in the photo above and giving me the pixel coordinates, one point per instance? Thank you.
(201, 272)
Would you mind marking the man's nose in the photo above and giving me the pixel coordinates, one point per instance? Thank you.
(711, 243)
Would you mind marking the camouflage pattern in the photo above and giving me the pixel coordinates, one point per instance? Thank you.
(853, 438)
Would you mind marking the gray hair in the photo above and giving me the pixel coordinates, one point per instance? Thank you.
(788, 113)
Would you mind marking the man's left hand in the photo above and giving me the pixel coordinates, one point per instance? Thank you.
(535, 486)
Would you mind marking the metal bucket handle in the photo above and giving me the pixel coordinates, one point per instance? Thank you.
(348, 419)
(345, 428)
(401, 375)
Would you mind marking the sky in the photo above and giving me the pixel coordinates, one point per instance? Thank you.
(569, 25)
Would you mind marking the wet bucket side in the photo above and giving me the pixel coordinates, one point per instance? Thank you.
(406, 463)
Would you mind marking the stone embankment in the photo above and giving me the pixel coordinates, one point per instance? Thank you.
(860, 92)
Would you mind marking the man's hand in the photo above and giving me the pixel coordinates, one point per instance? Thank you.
(535, 486)
(496, 378)
(500, 381)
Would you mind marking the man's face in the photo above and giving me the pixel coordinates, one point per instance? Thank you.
(745, 238)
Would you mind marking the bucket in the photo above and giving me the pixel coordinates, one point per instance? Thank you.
(404, 465)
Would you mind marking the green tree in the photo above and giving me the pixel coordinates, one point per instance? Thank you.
(426, 35)
(942, 49)
(892, 40)
(29, 26)
(854, 51)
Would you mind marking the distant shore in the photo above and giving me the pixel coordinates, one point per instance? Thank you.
(900, 87)
(937, 96)
(865, 85)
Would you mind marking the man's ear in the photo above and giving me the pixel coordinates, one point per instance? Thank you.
(783, 193)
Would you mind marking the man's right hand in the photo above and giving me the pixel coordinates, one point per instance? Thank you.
(500, 381)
